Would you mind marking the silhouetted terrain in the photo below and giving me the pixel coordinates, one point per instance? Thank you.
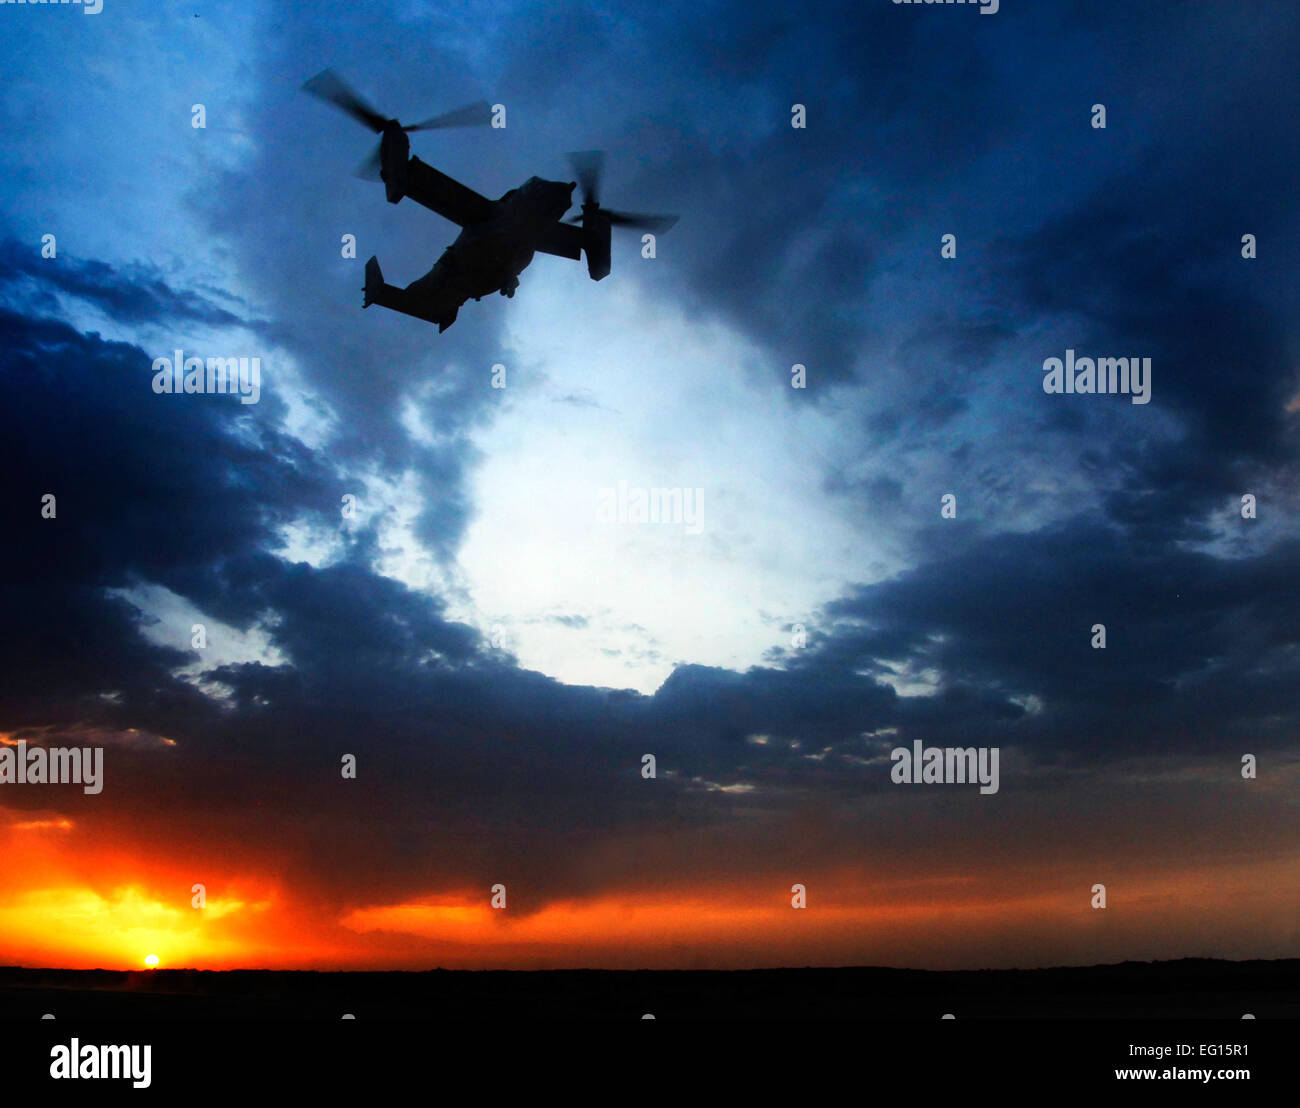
(1191, 988)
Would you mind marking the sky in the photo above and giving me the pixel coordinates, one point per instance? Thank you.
(497, 655)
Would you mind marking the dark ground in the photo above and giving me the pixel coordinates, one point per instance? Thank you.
(1191, 988)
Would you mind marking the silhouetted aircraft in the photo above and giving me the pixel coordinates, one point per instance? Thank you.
(499, 237)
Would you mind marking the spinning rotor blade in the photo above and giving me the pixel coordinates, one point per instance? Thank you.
(331, 88)
(635, 221)
(369, 170)
(640, 221)
(589, 166)
(478, 114)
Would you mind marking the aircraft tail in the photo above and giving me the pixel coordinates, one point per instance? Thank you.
(376, 291)
(410, 301)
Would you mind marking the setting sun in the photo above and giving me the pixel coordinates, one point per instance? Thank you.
(151, 960)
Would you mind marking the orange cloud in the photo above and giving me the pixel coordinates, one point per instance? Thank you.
(44, 825)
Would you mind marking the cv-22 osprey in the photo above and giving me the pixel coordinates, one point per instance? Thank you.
(498, 237)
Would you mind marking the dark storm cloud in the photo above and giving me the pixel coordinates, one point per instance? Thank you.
(148, 484)
(147, 487)
(136, 295)
(1221, 363)
(1202, 653)
(844, 185)
(911, 115)
(1149, 262)
(1127, 243)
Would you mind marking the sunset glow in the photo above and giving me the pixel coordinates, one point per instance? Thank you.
(943, 920)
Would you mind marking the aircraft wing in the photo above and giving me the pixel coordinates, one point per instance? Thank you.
(440, 193)
(563, 240)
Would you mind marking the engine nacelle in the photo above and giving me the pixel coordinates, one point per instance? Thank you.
(596, 229)
(394, 154)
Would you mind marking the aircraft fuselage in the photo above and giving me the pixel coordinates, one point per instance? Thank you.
(488, 256)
